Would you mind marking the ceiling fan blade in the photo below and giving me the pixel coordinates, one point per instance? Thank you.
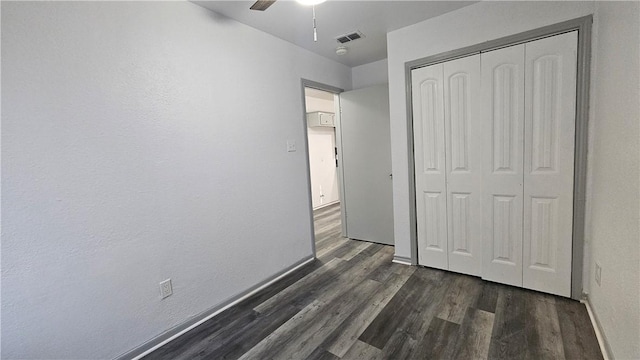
(262, 5)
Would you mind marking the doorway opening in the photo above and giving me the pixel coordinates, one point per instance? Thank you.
(322, 149)
(322, 146)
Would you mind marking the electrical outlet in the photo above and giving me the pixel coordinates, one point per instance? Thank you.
(165, 288)
(291, 145)
(598, 274)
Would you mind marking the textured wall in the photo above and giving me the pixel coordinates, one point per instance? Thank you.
(142, 141)
(614, 202)
(375, 73)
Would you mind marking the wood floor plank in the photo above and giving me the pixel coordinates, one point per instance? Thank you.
(402, 311)
(329, 271)
(339, 252)
(462, 293)
(340, 309)
(359, 247)
(327, 284)
(439, 341)
(328, 238)
(326, 252)
(343, 338)
(311, 327)
(544, 339)
(488, 297)
(475, 335)
(508, 340)
(244, 338)
(386, 323)
(416, 324)
(578, 336)
(361, 350)
(322, 354)
(383, 272)
(283, 334)
(399, 346)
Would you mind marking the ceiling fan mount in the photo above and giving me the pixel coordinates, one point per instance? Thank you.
(262, 5)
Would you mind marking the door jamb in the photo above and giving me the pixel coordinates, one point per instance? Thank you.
(583, 26)
(305, 83)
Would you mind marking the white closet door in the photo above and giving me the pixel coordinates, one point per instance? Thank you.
(429, 151)
(503, 132)
(549, 160)
(463, 164)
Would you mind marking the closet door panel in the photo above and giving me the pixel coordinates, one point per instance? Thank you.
(503, 135)
(430, 168)
(549, 162)
(463, 164)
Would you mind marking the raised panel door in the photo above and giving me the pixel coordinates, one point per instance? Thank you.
(503, 134)
(430, 168)
(463, 164)
(549, 163)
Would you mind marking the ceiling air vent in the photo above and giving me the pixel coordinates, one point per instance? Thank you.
(349, 37)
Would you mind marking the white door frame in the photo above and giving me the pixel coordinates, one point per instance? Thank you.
(304, 83)
(583, 26)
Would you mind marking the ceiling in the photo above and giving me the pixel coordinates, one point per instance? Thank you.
(293, 22)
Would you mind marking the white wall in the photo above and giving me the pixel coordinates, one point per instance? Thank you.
(616, 129)
(375, 73)
(613, 227)
(322, 142)
(141, 141)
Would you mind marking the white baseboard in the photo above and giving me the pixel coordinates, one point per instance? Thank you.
(190, 324)
(327, 204)
(401, 260)
(602, 340)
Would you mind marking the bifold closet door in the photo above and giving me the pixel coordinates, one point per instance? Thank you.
(550, 101)
(463, 156)
(529, 116)
(429, 152)
(502, 100)
(448, 161)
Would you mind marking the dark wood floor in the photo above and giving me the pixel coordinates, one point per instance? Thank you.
(354, 303)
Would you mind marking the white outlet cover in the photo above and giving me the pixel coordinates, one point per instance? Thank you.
(291, 145)
(165, 288)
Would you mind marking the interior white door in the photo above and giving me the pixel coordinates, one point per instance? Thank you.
(430, 169)
(366, 159)
(463, 164)
(549, 162)
(503, 131)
